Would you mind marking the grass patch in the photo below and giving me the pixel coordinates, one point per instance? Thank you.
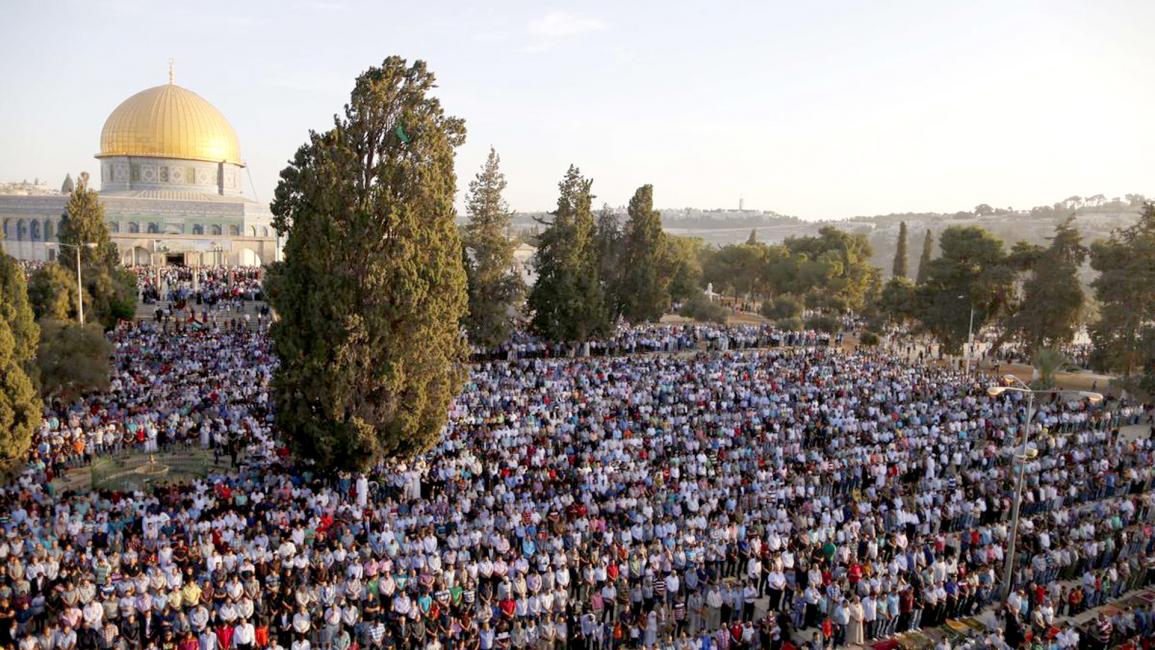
(133, 471)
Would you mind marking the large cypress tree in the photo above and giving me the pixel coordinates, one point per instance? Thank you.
(20, 406)
(899, 270)
(568, 300)
(645, 282)
(495, 287)
(924, 259)
(372, 291)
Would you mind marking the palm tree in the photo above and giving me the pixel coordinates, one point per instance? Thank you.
(1047, 362)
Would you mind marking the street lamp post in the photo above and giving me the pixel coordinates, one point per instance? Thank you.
(1022, 457)
(79, 283)
(970, 336)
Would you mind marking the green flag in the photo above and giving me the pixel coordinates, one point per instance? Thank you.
(401, 134)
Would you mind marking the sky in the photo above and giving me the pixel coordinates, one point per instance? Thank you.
(820, 110)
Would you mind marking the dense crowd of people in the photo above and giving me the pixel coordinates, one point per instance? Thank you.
(727, 497)
(202, 285)
(688, 337)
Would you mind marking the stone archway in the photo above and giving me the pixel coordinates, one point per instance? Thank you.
(141, 256)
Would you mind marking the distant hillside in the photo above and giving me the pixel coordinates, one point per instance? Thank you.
(1095, 217)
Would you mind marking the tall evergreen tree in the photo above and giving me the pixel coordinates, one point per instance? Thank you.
(83, 224)
(20, 406)
(899, 270)
(110, 291)
(495, 287)
(372, 290)
(568, 299)
(753, 238)
(1048, 315)
(1124, 335)
(67, 186)
(924, 259)
(646, 273)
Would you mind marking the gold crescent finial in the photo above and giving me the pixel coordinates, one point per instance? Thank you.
(170, 66)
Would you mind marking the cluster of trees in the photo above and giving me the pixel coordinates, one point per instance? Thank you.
(1033, 293)
(1124, 334)
(591, 272)
(44, 354)
(592, 269)
(109, 289)
(829, 272)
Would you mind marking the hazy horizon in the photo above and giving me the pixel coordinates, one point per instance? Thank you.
(820, 112)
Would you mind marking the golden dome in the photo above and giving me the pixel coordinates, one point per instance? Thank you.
(169, 122)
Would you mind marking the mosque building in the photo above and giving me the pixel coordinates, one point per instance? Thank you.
(171, 182)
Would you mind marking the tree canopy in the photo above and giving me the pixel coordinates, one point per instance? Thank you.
(52, 292)
(1052, 296)
(72, 360)
(971, 272)
(1124, 335)
(372, 291)
(16, 311)
(20, 406)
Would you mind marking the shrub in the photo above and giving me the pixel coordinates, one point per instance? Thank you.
(789, 324)
(823, 323)
(784, 306)
(701, 309)
(869, 339)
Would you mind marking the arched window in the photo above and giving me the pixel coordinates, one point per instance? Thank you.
(198, 229)
(21, 230)
(133, 227)
(234, 231)
(153, 228)
(264, 231)
(114, 226)
(252, 231)
(6, 235)
(49, 233)
(35, 230)
(216, 229)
